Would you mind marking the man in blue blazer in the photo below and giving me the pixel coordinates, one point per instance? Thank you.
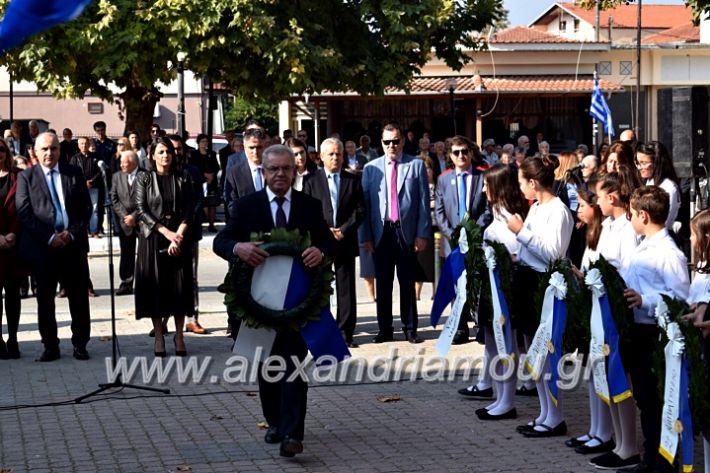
(459, 192)
(397, 224)
(54, 207)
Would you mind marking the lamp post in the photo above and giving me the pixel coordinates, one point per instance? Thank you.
(181, 94)
(451, 84)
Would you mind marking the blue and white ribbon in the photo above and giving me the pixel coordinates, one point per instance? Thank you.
(676, 421)
(548, 337)
(452, 286)
(282, 282)
(502, 330)
(609, 377)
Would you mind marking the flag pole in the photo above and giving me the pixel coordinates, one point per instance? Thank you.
(595, 134)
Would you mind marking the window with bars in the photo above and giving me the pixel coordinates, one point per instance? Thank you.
(625, 68)
(604, 68)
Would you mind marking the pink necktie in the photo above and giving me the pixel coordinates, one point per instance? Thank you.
(394, 201)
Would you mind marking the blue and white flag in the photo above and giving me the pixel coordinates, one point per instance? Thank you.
(452, 287)
(282, 282)
(600, 110)
(676, 421)
(25, 18)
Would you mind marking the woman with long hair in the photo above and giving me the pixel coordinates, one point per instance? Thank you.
(304, 166)
(544, 236)
(11, 275)
(618, 154)
(163, 281)
(656, 168)
(504, 200)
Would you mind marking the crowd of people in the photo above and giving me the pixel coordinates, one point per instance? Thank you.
(622, 202)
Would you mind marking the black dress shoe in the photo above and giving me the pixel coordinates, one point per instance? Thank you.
(460, 338)
(13, 350)
(481, 411)
(523, 391)
(272, 436)
(411, 336)
(575, 442)
(49, 355)
(559, 429)
(473, 391)
(124, 289)
(382, 338)
(3, 350)
(511, 414)
(600, 448)
(521, 429)
(290, 447)
(81, 354)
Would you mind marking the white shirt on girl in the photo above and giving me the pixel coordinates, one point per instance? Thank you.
(545, 234)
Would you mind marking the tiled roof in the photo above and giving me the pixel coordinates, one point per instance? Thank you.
(508, 84)
(524, 34)
(686, 33)
(624, 16)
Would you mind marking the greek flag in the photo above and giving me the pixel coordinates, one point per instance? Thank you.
(283, 283)
(600, 110)
(25, 18)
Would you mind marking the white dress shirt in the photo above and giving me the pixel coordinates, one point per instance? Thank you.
(699, 288)
(617, 242)
(498, 231)
(674, 195)
(274, 205)
(545, 234)
(298, 182)
(657, 266)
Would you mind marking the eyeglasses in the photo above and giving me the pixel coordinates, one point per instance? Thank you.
(276, 169)
(391, 142)
(458, 152)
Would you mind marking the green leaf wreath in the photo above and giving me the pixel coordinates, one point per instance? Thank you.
(615, 285)
(237, 285)
(478, 288)
(579, 306)
(697, 384)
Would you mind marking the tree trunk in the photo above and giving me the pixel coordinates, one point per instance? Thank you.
(139, 104)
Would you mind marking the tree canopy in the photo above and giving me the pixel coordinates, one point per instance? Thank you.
(266, 49)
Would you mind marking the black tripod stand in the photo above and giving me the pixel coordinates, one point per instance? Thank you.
(118, 382)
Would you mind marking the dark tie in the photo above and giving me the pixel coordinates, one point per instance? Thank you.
(280, 214)
(58, 217)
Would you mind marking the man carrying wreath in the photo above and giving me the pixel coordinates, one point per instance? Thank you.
(279, 206)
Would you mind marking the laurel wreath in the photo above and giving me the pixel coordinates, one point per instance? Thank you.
(237, 285)
(697, 381)
(478, 290)
(579, 305)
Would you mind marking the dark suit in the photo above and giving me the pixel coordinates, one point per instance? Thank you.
(68, 265)
(283, 403)
(124, 204)
(349, 215)
(239, 183)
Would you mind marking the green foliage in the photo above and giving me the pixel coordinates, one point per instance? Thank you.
(578, 302)
(239, 111)
(263, 49)
(697, 384)
(474, 261)
(615, 285)
(237, 285)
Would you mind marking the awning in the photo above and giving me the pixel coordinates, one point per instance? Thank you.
(471, 86)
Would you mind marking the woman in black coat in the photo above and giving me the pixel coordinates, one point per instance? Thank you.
(163, 281)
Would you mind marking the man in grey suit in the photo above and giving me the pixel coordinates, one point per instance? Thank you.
(245, 176)
(397, 224)
(457, 193)
(124, 206)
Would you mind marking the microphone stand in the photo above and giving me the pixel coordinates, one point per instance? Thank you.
(118, 382)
